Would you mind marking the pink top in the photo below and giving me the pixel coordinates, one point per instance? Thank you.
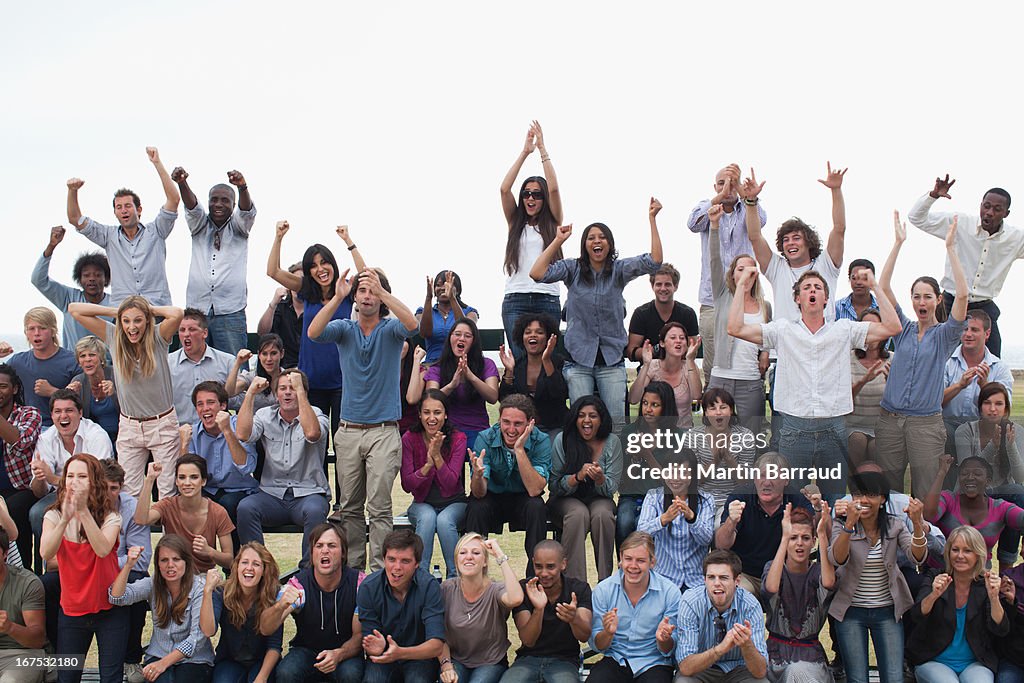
(1000, 514)
(684, 402)
(449, 478)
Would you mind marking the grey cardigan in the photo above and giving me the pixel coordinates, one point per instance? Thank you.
(723, 300)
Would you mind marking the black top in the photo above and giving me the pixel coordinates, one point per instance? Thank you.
(289, 327)
(757, 534)
(646, 321)
(549, 396)
(556, 638)
(325, 620)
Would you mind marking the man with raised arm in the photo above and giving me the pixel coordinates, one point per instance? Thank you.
(733, 241)
(813, 377)
(987, 247)
(220, 252)
(367, 443)
(91, 272)
(137, 251)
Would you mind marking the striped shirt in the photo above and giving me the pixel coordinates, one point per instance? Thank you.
(700, 634)
(873, 587)
(186, 637)
(1001, 514)
(740, 441)
(681, 546)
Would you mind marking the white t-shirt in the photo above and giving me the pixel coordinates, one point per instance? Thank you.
(531, 246)
(90, 438)
(744, 355)
(782, 277)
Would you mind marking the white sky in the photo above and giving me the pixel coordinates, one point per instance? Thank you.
(400, 119)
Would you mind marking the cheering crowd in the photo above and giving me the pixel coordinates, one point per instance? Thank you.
(725, 538)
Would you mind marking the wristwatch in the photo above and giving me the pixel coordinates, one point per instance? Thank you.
(501, 560)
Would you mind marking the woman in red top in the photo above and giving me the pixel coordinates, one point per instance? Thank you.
(81, 530)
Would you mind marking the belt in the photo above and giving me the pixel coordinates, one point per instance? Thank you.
(798, 642)
(358, 425)
(148, 419)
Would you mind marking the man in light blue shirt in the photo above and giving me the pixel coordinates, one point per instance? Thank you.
(853, 305)
(137, 252)
(367, 444)
(970, 367)
(635, 617)
(220, 253)
(724, 637)
(195, 362)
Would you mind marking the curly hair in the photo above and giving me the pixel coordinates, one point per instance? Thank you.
(524, 321)
(266, 590)
(96, 259)
(810, 236)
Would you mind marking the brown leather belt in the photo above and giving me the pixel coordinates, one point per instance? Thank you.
(148, 419)
(357, 425)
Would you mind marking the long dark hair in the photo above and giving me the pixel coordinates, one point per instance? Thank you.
(446, 428)
(577, 452)
(664, 392)
(164, 608)
(456, 282)
(684, 458)
(474, 357)
(1002, 455)
(546, 225)
(875, 484)
(310, 291)
(586, 273)
(940, 307)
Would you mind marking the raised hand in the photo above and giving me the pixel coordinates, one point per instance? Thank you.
(243, 356)
(538, 134)
(715, 212)
(56, 235)
(213, 578)
(508, 361)
(521, 441)
(154, 155)
(476, 462)
(841, 507)
(747, 278)
(646, 352)
(665, 631)
(915, 510)
(133, 554)
(418, 354)
(154, 470)
(610, 621)
(179, 174)
(236, 178)
(787, 522)
(566, 611)
(535, 592)
(5, 349)
(992, 585)
(813, 495)
(258, 384)
(531, 142)
(449, 285)
(940, 583)
(460, 372)
(834, 179)
(492, 547)
(290, 595)
(736, 510)
(43, 388)
(946, 463)
(343, 286)
(549, 348)
(75, 184)
(942, 188)
(692, 344)
(951, 235)
(825, 521)
(1007, 589)
(281, 229)
(430, 290)
(67, 508)
(877, 368)
(564, 233)
(750, 187)
(41, 469)
(654, 208)
(223, 420)
(372, 280)
(852, 515)
(342, 231)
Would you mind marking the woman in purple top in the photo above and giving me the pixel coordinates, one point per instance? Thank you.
(433, 459)
(469, 380)
(971, 506)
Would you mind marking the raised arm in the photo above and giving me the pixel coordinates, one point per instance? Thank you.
(170, 189)
(554, 195)
(274, 269)
(180, 176)
(308, 419)
(232, 384)
(236, 178)
(341, 291)
(934, 495)
(144, 514)
(837, 237)
(540, 266)
(357, 256)
(959, 311)
(88, 316)
(748, 192)
(921, 216)
(736, 326)
(899, 237)
(890, 324)
(172, 316)
(427, 316)
(74, 211)
(207, 618)
(398, 309)
(508, 200)
(243, 424)
(652, 212)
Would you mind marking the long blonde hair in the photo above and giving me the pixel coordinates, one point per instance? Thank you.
(142, 354)
(755, 291)
(266, 591)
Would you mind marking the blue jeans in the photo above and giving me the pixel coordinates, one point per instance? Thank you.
(74, 636)
(515, 305)
(445, 522)
(488, 673)
(537, 669)
(262, 509)
(886, 636)
(184, 673)
(228, 332)
(408, 671)
(627, 512)
(297, 667)
(610, 381)
(816, 442)
(227, 671)
(1009, 672)
(933, 672)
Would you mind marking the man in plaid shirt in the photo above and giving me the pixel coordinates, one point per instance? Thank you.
(19, 428)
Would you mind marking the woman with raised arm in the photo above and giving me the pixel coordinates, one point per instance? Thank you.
(910, 428)
(200, 521)
(595, 335)
(586, 465)
(539, 373)
(476, 613)
(467, 378)
(433, 471)
(795, 591)
(437, 321)
(315, 286)
(95, 385)
(958, 616)
(80, 531)
(532, 219)
(677, 368)
(148, 425)
(269, 354)
(178, 651)
(869, 369)
(243, 654)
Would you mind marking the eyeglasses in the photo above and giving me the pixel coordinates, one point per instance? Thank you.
(720, 629)
(532, 194)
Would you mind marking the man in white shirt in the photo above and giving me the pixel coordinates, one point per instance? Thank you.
(69, 435)
(195, 362)
(813, 375)
(987, 247)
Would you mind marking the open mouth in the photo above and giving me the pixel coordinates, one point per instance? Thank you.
(65, 422)
(922, 312)
(325, 562)
(812, 299)
(597, 250)
(324, 277)
(460, 348)
(586, 430)
(532, 342)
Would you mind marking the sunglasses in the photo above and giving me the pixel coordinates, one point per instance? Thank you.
(532, 194)
(720, 629)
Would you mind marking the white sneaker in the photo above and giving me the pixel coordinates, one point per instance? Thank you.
(133, 672)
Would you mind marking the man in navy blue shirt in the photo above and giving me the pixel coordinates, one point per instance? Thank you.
(45, 367)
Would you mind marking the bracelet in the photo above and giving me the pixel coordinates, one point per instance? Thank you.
(501, 560)
(915, 537)
(922, 544)
(353, 247)
(545, 160)
(243, 188)
(847, 531)
(750, 202)
(445, 661)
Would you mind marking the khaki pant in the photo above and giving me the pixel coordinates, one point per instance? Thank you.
(577, 519)
(368, 461)
(706, 326)
(900, 439)
(136, 440)
(10, 674)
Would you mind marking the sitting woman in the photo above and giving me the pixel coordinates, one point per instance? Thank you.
(721, 442)
(476, 613)
(657, 414)
(189, 510)
(586, 464)
(958, 616)
(971, 505)
(467, 378)
(539, 374)
(681, 519)
(243, 654)
(95, 385)
(433, 471)
(436, 321)
(269, 352)
(795, 591)
(678, 369)
(178, 651)
(869, 369)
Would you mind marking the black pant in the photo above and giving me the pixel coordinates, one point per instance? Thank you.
(995, 341)
(521, 511)
(609, 671)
